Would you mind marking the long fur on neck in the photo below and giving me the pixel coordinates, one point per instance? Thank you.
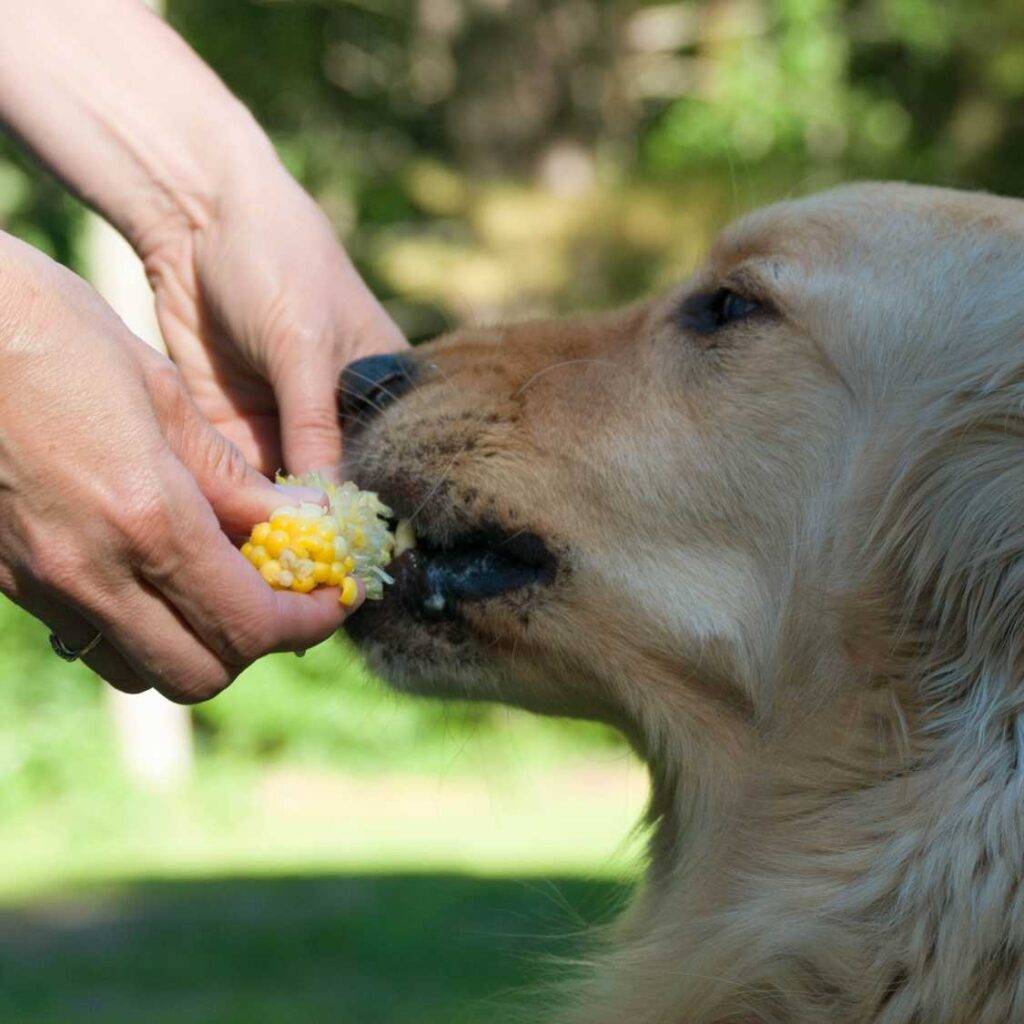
(865, 867)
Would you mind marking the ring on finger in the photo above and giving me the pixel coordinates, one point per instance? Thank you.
(66, 653)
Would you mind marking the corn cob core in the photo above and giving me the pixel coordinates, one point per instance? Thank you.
(303, 546)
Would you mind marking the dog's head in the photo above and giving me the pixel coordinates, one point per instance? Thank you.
(657, 510)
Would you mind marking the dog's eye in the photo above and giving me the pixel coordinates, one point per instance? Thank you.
(707, 312)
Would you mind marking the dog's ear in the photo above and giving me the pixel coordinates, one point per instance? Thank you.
(940, 611)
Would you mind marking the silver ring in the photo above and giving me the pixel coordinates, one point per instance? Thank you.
(64, 652)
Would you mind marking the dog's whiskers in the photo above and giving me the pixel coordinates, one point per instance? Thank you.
(557, 366)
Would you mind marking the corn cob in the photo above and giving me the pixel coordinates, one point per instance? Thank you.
(302, 547)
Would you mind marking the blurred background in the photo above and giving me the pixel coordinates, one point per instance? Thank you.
(308, 847)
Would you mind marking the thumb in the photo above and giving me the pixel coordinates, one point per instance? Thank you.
(307, 404)
(239, 495)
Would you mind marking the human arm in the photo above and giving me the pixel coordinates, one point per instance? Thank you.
(259, 305)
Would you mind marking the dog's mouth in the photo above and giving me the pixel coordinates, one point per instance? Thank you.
(435, 576)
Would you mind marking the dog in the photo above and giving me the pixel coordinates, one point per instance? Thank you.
(771, 527)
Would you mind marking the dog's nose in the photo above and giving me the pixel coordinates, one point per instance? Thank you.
(370, 383)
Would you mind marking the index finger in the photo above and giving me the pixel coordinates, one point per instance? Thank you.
(307, 403)
(229, 605)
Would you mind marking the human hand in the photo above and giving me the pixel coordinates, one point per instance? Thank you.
(116, 498)
(258, 303)
(260, 309)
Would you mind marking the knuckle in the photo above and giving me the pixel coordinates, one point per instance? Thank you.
(61, 567)
(315, 422)
(226, 460)
(242, 645)
(164, 383)
(147, 523)
(148, 515)
(199, 687)
(122, 682)
(150, 521)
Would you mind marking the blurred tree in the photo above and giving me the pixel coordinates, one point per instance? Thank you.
(489, 157)
(494, 158)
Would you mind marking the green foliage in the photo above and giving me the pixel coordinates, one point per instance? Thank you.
(55, 737)
(57, 742)
(325, 709)
(487, 158)
(35, 208)
(409, 122)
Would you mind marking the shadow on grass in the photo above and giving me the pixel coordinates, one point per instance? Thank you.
(404, 949)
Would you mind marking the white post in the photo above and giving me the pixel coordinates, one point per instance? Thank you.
(154, 735)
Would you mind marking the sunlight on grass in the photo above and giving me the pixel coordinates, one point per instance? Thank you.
(572, 821)
(301, 893)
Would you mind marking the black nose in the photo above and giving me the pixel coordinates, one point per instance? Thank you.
(370, 383)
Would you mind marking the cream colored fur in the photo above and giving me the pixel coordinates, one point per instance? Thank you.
(793, 575)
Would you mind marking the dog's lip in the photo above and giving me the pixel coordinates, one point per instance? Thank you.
(437, 576)
(523, 546)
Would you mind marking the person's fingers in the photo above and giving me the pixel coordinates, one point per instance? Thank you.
(200, 615)
(150, 638)
(307, 403)
(305, 384)
(76, 632)
(239, 495)
(108, 664)
(223, 598)
(258, 438)
(188, 653)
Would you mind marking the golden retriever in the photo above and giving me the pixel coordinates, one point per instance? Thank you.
(771, 526)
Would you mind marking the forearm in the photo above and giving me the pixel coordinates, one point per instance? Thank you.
(122, 110)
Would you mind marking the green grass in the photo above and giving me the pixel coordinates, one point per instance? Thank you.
(398, 949)
(291, 896)
(341, 854)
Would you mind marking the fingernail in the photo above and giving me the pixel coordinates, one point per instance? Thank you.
(296, 495)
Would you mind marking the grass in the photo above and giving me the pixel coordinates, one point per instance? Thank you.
(386, 949)
(340, 854)
(573, 818)
(295, 895)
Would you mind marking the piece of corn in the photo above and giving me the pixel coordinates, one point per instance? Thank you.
(303, 547)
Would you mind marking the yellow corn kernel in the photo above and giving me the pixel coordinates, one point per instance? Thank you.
(349, 592)
(276, 542)
(323, 551)
(270, 570)
(305, 546)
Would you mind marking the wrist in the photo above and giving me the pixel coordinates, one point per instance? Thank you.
(29, 278)
(131, 120)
